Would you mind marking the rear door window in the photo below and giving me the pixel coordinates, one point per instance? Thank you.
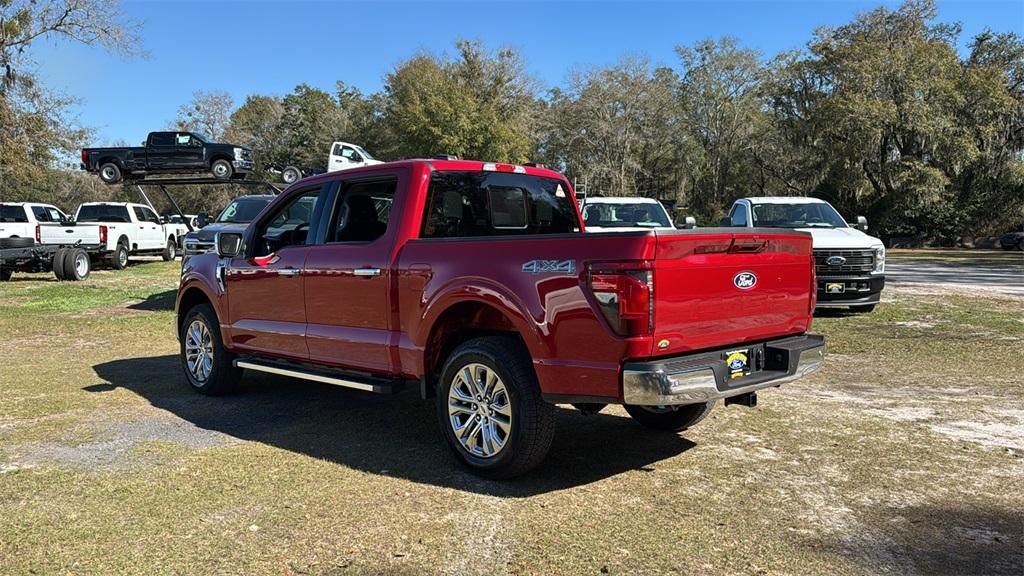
(471, 204)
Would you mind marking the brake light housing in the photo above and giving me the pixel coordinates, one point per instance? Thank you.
(39, 234)
(624, 292)
(103, 234)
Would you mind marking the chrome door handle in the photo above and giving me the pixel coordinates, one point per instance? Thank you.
(289, 272)
(366, 271)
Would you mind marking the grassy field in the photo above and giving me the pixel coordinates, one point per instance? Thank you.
(902, 456)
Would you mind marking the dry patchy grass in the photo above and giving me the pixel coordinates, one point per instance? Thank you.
(902, 456)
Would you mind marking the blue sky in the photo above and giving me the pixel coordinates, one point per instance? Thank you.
(269, 47)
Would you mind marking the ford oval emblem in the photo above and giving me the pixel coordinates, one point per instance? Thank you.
(745, 280)
(835, 261)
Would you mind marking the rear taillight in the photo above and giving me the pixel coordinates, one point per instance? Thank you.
(625, 295)
(85, 156)
(103, 235)
(39, 234)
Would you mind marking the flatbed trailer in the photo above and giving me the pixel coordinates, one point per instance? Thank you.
(71, 262)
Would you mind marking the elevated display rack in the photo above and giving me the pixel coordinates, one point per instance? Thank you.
(164, 183)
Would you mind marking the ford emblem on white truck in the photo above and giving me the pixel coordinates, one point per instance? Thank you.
(744, 280)
(835, 261)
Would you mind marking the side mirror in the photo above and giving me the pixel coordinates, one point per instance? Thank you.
(862, 224)
(725, 222)
(202, 219)
(689, 223)
(228, 244)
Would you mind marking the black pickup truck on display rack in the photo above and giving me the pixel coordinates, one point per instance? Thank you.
(168, 152)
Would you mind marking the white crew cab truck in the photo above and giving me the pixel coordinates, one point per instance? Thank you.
(849, 264)
(44, 223)
(130, 229)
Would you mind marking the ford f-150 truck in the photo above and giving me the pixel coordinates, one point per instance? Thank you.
(477, 282)
(166, 152)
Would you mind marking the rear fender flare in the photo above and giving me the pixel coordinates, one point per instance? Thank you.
(489, 293)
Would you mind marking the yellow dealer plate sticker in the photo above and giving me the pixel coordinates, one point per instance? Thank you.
(835, 288)
(738, 363)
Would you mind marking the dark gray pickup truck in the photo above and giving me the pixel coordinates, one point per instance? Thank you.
(168, 152)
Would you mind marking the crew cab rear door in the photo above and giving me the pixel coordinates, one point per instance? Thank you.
(264, 285)
(716, 287)
(348, 275)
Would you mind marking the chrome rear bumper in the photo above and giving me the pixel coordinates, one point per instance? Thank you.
(704, 377)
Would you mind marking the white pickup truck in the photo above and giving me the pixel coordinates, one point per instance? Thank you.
(44, 223)
(131, 229)
(850, 265)
(342, 156)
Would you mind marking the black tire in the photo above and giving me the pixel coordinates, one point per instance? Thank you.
(223, 376)
(1020, 245)
(863, 309)
(110, 173)
(170, 251)
(76, 265)
(57, 264)
(290, 174)
(222, 169)
(16, 242)
(119, 259)
(1009, 247)
(532, 420)
(5, 274)
(671, 418)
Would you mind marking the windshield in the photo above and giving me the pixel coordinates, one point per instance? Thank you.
(365, 154)
(621, 215)
(243, 210)
(807, 215)
(102, 213)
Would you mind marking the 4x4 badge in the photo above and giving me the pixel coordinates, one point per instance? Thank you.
(546, 266)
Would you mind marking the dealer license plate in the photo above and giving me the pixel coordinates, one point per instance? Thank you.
(835, 288)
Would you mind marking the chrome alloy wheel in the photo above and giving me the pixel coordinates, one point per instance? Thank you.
(199, 350)
(220, 170)
(108, 173)
(479, 410)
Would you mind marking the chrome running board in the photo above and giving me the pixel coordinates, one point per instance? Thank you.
(368, 384)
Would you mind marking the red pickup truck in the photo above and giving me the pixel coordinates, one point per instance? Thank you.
(477, 282)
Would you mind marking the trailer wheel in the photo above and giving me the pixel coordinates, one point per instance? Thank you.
(6, 273)
(110, 173)
(673, 418)
(170, 251)
(57, 264)
(76, 265)
(120, 258)
(222, 169)
(290, 174)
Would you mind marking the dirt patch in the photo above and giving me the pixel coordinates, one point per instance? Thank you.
(116, 444)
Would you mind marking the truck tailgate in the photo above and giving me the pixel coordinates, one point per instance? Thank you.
(721, 287)
(54, 233)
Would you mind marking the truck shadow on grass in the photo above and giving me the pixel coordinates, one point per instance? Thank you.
(390, 435)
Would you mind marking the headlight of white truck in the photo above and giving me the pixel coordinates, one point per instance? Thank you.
(879, 259)
(238, 153)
